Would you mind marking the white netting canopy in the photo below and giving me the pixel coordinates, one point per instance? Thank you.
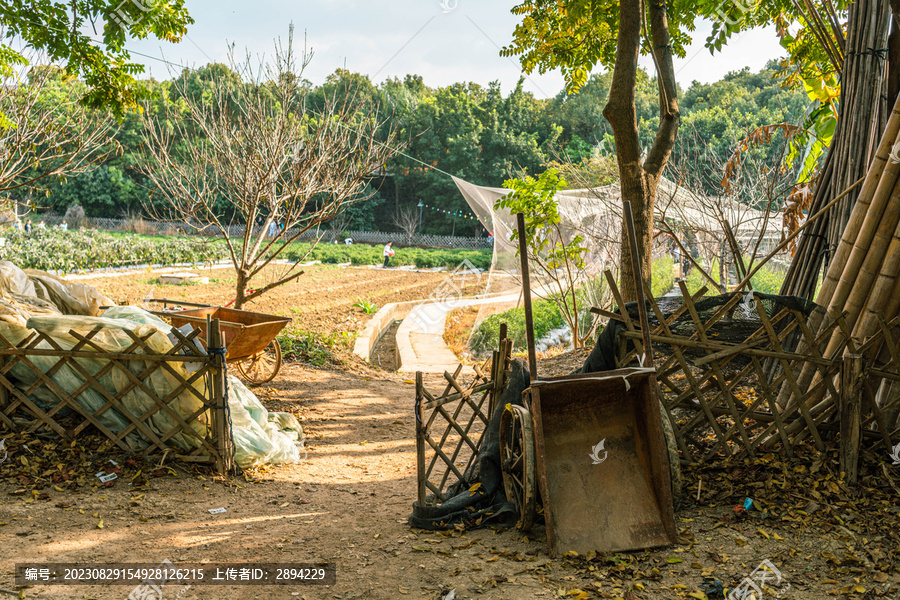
(596, 215)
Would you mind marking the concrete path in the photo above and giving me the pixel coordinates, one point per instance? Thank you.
(420, 338)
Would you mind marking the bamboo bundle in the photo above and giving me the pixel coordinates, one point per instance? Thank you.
(858, 129)
(867, 262)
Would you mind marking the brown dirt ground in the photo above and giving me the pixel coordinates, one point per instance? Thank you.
(348, 501)
(321, 300)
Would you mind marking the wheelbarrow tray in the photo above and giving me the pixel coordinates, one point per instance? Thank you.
(624, 502)
(245, 333)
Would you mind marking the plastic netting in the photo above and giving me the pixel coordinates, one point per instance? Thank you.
(595, 217)
(595, 214)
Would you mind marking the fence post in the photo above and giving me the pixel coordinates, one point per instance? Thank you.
(851, 406)
(420, 438)
(219, 417)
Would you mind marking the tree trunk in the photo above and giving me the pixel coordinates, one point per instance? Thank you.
(639, 181)
(240, 289)
(640, 190)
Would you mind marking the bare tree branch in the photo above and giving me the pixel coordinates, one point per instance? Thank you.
(266, 157)
(51, 134)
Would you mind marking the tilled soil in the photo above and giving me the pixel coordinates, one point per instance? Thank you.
(348, 501)
(321, 300)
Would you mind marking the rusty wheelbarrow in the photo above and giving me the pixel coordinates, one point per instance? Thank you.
(589, 451)
(250, 337)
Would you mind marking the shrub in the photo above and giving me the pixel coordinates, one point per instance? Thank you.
(663, 273)
(695, 280)
(768, 280)
(487, 335)
(69, 251)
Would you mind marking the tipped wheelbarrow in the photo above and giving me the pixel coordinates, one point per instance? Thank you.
(590, 453)
(250, 337)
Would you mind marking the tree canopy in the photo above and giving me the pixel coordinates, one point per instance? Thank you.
(482, 134)
(61, 31)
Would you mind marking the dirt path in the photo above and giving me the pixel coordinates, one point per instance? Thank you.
(348, 502)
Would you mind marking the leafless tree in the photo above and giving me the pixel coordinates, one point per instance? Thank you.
(338, 225)
(740, 224)
(407, 220)
(269, 158)
(47, 132)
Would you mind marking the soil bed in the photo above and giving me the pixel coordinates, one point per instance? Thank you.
(321, 300)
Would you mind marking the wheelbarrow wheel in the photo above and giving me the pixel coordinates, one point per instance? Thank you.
(517, 463)
(263, 366)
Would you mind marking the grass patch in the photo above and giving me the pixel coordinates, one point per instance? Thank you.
(316, 349)
(663, 274)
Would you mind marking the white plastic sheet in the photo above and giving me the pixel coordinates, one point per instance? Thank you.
(35, 302)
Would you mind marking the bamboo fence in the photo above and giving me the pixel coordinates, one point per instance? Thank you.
(206, 429)
(450, 425)
(721, 398)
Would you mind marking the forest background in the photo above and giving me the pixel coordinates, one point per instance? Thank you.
(470, 131)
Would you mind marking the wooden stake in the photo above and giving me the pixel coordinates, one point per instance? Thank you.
(851, 403)
(526, 291)
(420, 437)
(219, 418)
(639, 285)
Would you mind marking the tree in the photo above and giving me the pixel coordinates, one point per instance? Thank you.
(279, 168)
(558, 253)
(57, 29)
(49, 134)
(575, 35)
(407, 221)
(736, 224)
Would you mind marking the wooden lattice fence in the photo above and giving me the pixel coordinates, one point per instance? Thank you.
(449, 425)
(136, 397)
(740, 399)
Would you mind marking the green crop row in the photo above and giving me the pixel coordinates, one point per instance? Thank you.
(487, 336)
(547, 315)
(364, 254)
(82, 250)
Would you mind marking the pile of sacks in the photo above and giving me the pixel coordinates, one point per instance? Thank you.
(35, 301)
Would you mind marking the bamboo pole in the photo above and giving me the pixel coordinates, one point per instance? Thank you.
(219, 420)
(867, 212)
(420, 440)
(852, 273)
(879, 259)
(784, 243)
(855, 139)
(526, 291)
(881, 301)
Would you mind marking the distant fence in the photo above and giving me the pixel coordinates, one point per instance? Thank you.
(326, 235)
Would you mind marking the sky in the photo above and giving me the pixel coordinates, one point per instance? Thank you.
(444, 41)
